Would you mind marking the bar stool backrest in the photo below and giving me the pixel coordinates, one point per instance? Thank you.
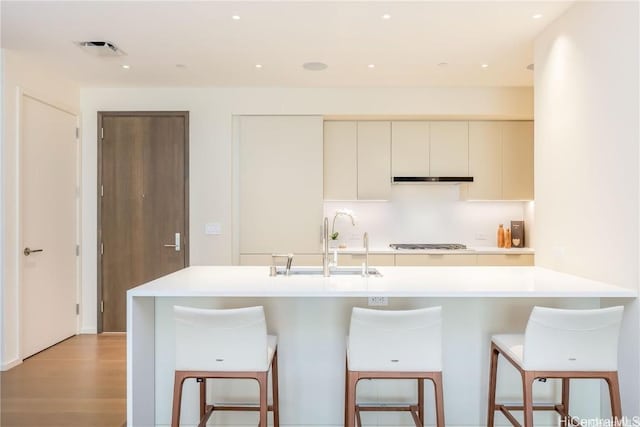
(407, 340)
(572, 340)
(221, 340)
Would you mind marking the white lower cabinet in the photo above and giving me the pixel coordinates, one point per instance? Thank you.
(506, 259)
(266, 259)
(375, 260)
(435, 260)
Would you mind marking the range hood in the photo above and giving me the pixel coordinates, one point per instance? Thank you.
(431, 179)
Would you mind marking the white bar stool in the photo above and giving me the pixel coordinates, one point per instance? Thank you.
(224, 344)
(394, 345)
(559, 344)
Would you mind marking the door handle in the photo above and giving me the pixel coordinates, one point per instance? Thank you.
(176, 245)
(29, 251)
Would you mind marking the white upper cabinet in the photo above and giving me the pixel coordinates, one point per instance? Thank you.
(485, 160)
(374, 160)
(517, 156)
(500, 161)
(340, 160)
(410, 148)
(357, 160)
(280, 184)
(449, 148)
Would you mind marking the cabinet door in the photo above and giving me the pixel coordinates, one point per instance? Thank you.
(449, 148)
(410, 148)
(280, 184)
(375, 260)
(435, 260)
(374, 160)
(517, 155)
(506, 259)
(485, 160)
(299, 260)
(340, 161)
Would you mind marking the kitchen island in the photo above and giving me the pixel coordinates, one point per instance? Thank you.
(310, 314)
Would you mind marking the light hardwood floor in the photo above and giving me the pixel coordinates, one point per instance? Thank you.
(80, 382)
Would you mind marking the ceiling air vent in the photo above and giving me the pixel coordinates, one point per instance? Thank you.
(101, 48)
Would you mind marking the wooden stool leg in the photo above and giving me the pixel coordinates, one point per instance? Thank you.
(346, 390)
(264, 405)
(203, 396)
(493, 373)
(178, 381)
(614, 395)
(274, 385)
(527, 396)
(437, 383)
(566, 383)
(350, 403)
(421, 400)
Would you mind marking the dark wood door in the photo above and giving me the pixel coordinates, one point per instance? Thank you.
(143, 205)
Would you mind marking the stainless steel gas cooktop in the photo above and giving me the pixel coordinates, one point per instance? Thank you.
(446, 246)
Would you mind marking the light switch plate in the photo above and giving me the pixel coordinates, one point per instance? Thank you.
(213, 228)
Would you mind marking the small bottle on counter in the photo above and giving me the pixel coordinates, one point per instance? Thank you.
(507, 238)
(500, 236)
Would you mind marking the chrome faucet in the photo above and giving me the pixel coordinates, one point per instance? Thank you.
(365, 243)
(325, 248)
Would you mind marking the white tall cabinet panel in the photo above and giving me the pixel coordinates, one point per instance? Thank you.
(374, 160)
(517, 154)
(410, 148)
(340, 160)
(280, 184)
(449, 152)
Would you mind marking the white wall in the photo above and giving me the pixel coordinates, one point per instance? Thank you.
(211, 111)
(20, 72)
(586, 156)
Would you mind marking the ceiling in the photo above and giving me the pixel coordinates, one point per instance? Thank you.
(215, 50)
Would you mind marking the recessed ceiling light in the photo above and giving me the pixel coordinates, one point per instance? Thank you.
(235, 17)
(537, 16)
(386, 16)
(125, 66)
(485, 65)
(443, 64)
(258, 65)
(371, 65)
(314, 66)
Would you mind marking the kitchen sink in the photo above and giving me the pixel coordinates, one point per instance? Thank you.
(317, 271)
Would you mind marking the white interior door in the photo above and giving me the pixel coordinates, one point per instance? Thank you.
(48, 215)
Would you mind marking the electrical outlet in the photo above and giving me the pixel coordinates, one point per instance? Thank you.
(378, 301)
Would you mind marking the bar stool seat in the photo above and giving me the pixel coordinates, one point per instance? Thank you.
(561, 344)
(512, 345)
(216, 344)
(403, 344)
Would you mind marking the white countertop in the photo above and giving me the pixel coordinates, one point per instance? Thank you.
(504, 282)
(478, 250)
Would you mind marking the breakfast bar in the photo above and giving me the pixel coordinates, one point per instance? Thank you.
(310, 314)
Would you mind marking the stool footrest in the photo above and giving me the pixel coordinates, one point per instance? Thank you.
(228, 407)
(389, 408)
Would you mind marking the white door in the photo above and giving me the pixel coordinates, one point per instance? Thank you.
(48, 216)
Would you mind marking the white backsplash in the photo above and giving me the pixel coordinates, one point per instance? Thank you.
(424, 214)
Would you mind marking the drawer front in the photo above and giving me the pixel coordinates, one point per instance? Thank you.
(435, 260)
(265, 259)
(375, 260)
(506, 259)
